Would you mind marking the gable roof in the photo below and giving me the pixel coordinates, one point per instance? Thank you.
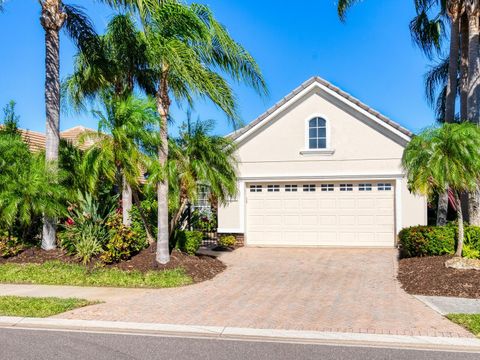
(318, 81)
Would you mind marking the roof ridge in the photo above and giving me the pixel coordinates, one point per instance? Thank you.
(236, 134)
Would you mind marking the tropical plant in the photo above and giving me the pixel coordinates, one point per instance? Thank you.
(120, 149)
(28, 186)
(10, 119)
(188, 51)
(197, 157)
(445, 157)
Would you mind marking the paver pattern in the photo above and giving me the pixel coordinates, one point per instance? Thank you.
(345, 290)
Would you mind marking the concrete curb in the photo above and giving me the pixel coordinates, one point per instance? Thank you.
(232, 333)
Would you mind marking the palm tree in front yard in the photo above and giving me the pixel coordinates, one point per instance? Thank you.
(56, 15)
(190, 51)
(197, 157)
(442, 158)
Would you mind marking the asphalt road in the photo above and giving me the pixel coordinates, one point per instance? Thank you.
(16, 344)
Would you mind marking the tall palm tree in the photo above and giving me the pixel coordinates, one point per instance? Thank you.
(120, 149)
(442, 158)
(56, 15)
(197, 157)
(189, 51)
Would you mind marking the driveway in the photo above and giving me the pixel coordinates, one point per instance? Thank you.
(346, 290)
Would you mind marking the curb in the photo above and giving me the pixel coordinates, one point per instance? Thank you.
(232, 333)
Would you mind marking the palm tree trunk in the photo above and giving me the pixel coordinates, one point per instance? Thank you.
(143, 217)
(473, 100)
(126, 202)
(473, 62)
(464, 67)
(460, 225)
(163, 106)
(454, 14)
(52, 19)
(442, 209)
(178, 214)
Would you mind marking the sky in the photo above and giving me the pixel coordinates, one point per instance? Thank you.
(371, 56)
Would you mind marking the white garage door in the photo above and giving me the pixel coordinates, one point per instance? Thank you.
(321, 214)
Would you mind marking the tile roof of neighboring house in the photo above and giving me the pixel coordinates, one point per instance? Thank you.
(243, 130)
(36, 140)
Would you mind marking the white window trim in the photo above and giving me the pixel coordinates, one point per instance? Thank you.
(306, 149)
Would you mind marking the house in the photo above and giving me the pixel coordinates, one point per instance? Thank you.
(321, 168)
(36, 140)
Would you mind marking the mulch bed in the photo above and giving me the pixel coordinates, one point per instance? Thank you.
(200, 268)
(429, 276)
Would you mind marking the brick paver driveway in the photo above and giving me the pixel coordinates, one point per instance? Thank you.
(298, 289)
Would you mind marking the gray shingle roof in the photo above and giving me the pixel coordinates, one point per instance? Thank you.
(236, 134)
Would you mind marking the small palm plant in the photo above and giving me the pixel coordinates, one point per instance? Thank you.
(120, 149)
(197, 157)
(445, 157)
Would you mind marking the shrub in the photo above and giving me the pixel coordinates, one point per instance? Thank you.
(427, 240)
(227, 241)
(123, 242)
(10, 246)
(87, 247)
(419, 241)
(188, 241)
(470, 252)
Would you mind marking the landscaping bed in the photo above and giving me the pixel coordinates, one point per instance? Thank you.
(38, 307)
(429, 276)
(140, 271)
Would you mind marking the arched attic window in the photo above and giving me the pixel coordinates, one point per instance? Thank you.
(317, 133)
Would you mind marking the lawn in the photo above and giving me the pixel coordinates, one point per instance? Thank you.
(59, 273)
(469, 321)
(38, 307)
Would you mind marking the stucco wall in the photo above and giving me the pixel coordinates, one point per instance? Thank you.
(358, 148)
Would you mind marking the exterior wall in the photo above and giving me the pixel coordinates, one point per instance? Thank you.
(358, 149)
(414, 208)
(229, 217)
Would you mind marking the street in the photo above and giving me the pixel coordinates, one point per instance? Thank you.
(16, 344)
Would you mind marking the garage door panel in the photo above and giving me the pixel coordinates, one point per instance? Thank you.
(321, 218)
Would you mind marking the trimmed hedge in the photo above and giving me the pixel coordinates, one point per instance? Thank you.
(417, 241)
(188, 241)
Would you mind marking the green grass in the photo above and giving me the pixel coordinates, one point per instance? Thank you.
(38, 307)
(58, 273)
(471, 322)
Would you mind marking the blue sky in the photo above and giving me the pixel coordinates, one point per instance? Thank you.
(371, 56)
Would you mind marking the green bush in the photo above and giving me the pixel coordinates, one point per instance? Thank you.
(123, 242)
(227, 241)
(188, 241)
(417, 241)
(10, 246)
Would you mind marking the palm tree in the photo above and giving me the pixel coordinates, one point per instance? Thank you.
(120, 149)
(444, 158)
(197, 157)
(188, 51)
(56, 15)
(117, 65)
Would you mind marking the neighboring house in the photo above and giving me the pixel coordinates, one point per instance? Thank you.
(321, 168)
(36, 140)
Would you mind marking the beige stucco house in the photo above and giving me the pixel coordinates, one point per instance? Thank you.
(321, 168)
